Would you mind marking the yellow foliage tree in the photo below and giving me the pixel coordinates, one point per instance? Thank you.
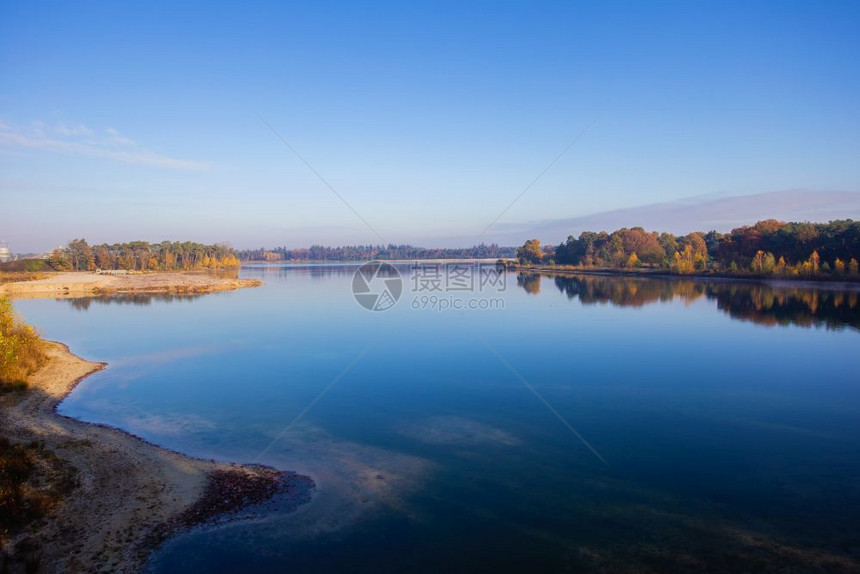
(530, 252)
(839, 266)
(758, 262)
(684, 262)
(814, 261)
(20, 346)
(780, 265)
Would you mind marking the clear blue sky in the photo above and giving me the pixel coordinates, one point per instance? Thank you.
(122, 120)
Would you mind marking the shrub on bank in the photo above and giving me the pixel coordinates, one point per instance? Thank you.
(21, 349)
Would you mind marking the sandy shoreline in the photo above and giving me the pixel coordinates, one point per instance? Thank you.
(130, 494)
(84, 283)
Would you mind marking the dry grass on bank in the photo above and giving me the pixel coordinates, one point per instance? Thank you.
(15, 276)
(21, 349)
(33, 481)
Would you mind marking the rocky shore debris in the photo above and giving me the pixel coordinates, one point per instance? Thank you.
(243, 492)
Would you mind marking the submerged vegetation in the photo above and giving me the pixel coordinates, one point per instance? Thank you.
(21, 351)
(768, 248)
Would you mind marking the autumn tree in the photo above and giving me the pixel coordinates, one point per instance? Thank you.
(780, 265)
(769, 263)
(646, 246)
(698, 249)
(80, 255)
(814, 261)
(58, 261)
(669, 244)
(530, 252)
(839, 266)
(758, 262)
(683, 260)
(104, 258)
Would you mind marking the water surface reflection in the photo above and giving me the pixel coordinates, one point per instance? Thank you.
(761, 303)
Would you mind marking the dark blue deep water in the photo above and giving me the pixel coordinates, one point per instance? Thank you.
(592, 424)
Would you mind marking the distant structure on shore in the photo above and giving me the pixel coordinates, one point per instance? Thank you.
(5, 254)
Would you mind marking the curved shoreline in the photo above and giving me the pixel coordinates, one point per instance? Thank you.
(131, 494)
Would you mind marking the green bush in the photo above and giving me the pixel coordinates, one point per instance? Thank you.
(35, 265)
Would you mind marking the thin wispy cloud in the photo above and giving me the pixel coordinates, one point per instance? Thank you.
(81, 140)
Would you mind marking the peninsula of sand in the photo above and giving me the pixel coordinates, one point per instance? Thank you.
(84, 284)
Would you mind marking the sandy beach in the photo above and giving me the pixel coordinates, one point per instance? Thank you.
(84, 283)
(129, 494)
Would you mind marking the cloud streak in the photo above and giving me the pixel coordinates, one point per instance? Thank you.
(81, 140)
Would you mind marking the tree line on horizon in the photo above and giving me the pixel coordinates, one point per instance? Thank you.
(78, 255)
(769, 247)
(375, 252)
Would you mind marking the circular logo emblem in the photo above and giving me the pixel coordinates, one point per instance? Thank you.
(377, 286)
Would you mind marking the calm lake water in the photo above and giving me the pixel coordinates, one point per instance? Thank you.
(592, 424)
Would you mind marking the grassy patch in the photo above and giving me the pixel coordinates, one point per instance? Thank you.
(23, 267)
(16, 276)
(32, 482)
(20, 504)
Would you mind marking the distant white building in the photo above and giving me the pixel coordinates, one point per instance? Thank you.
(5, 254)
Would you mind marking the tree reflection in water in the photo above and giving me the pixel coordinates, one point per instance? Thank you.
(83, 303)
(761, 303)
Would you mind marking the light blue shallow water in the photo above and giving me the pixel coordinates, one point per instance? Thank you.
(727, 414)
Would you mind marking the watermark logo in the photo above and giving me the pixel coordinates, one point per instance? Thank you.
(441, 286)
(377, 286)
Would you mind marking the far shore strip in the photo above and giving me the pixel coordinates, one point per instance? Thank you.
(89, 284)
